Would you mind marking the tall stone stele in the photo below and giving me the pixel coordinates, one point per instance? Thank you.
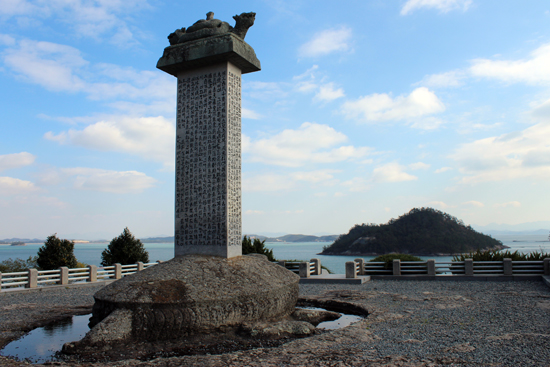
(208, 59)
(207, 287)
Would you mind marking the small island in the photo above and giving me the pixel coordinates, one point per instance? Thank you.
(421, 231)
(18, 243)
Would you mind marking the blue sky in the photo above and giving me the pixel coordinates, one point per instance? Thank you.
(362, 111)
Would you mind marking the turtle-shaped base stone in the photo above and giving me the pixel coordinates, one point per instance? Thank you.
(192, 294)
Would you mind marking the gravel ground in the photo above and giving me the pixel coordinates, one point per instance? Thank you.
(412, 323)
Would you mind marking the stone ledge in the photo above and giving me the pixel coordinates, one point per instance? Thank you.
(209, 51)
(491, 278)
(334, 279)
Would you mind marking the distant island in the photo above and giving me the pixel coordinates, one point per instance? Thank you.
(421, 231)
(18, 243)
(285, 238)
(296, 238)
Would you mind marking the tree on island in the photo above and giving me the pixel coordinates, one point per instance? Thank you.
(256, 247)
(56, 253)
(124, 249)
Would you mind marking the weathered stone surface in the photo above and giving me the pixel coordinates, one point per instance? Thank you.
(314, 317)
(212, 27)
(208, 218)
(191, 294)
(209, 51)
(279, 329)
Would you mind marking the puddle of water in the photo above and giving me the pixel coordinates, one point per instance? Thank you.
(343, 321)
(41, 344)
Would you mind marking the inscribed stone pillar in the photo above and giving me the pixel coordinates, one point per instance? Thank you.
(208, 142)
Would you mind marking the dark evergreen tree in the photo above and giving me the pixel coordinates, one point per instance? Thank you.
(124, 249)
(56, 253)
(257, 247)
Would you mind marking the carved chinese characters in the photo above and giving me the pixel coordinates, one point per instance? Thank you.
(208, 162)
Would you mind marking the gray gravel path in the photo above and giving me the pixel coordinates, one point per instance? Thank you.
(473, 323)
(412, 323)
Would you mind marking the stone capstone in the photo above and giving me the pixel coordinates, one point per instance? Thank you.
(193, 294)
(209, 51)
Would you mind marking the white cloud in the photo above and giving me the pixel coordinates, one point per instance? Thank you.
(118, 182)
(522, 154)
(443, 6)
(14, 186)
(382, 107)
(477, 204)
(443, 169)
(249, 114)
(314, 176)
(284, 182)
(327, 41)
(15, 160)
(534, 70)
(266, 182)
(358, 184)
(311, 143)
(94, 19)
(6, 40)
(444, 80)
(152, 138)
(439, 204)
(59, 67)
(48, 64)
(419, 165)
(328, 93)
(513, 204)
(391, 172)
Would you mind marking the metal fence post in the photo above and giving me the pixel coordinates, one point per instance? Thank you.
(304, 270)
(507, 266)
(118, 271)
(33, 279)
(282, 263)
(350, 270)
(0, 281)
(396, 267)
(361, 266)
(469, 267)
(64, 275)
(92, 277)
(317, 266)
(547, 266)
(140, 265)
(431, 267)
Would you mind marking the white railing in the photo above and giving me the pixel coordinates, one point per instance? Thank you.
(303, 268)
(467, 267)
(34, 278)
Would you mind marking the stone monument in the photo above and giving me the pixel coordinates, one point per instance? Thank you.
(208, 59)
(208, 286)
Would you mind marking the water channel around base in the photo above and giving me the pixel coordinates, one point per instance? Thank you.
(42, 344)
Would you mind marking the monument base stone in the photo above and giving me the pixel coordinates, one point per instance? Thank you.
(192, 294)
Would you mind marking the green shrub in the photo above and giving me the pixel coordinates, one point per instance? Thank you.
(257, 247)
(501, 255)
(124, 249)
(388, 259)
(56, 253)
(17, 265)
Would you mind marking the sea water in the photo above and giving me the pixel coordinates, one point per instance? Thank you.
(90, 253)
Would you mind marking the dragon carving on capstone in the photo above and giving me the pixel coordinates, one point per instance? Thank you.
(212, 27)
